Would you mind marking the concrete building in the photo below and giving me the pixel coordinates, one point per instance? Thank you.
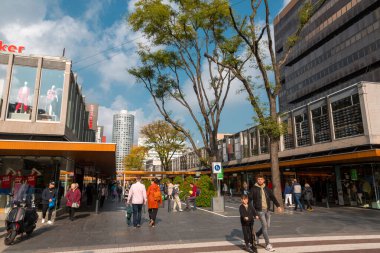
(122, 135)
(44, 130)
(340, 46)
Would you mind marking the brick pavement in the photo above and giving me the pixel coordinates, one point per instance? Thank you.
(108, 232)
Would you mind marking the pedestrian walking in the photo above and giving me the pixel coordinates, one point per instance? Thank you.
(308, 196)
(154, 200)
(244, 189)
(119, 191)
(137, 197)
(297, 191)
(177, 201)
(103, 192)
(288, 195)
(225, 189)
(192, 197)
(73, 197)
(247, 218)
(48, 202)
(261, 197)
(231, 189)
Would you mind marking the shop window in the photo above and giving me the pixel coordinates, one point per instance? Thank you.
(3, 76)
(302, 130)
(50, 98)
(21, 95)
(347, 117)
(321, 124)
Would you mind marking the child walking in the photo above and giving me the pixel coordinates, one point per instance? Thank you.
(247, 218)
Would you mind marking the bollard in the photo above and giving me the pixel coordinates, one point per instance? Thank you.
(97, 206)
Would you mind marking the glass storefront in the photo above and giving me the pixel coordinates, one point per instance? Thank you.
(21, 93)
(3, 73)
(50, 97)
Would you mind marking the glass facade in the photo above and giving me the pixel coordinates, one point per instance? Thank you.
(50, 97)
(21, 94)
(302, 130)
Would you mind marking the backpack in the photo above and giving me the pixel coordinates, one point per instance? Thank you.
(198, 192)
(175, 191)
(157, 195)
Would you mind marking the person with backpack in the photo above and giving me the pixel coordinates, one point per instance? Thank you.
(137, 196)
(192, 197)
(297, 191)
(154, 200)
(48, 202)
(177, 201)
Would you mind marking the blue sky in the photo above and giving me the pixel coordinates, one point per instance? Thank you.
(96, 37)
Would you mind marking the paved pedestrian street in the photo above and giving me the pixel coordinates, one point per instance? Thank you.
(323, 230)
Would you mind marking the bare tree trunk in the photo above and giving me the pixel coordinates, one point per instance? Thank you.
(274, 148)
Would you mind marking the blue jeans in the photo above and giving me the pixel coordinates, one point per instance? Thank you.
(264, 217)
(297, 197)
(137, 214)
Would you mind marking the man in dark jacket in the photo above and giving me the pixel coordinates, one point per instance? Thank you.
(48, 196)
(261, 197)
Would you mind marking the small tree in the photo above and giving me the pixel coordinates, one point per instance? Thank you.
(134, 161)
(164, 139)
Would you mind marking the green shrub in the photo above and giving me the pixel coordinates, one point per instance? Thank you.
(206, 186)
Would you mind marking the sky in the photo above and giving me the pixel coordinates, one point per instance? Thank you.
(96, 37)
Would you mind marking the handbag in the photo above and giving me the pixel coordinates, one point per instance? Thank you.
(52, 203)
(75, 205)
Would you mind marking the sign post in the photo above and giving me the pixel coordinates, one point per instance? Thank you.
(218, 202)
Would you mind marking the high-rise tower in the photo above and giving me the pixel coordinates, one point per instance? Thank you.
(122, 135)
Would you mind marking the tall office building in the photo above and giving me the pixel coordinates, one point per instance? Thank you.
(99, 134)
(122, 135)
(339, 46)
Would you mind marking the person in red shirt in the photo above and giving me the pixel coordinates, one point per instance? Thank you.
(6, 181)
(17, 182)
(192, 197)
(32, 178)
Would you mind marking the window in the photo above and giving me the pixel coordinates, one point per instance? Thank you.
(21, 95)
(288, 136)
(347, 117)
(321, 124)
(3, 76)
(50, 98)
(302, 130)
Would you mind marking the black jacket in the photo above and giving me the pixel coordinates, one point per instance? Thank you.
(255, 197)
(47, 194)
(250, 213)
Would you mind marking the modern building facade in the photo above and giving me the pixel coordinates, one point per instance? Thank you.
(44, 130)
(92, 115)
(122, 135)
(99, 134)
(340, 46)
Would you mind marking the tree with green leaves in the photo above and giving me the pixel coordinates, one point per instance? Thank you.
(181, 32)
(164, 139)
(135, 159)
(254, 37)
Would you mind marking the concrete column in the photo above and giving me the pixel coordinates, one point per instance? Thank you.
(330, 116)
(258, 141)
(282, 146)
(311, 127)
(37, 85)
(6, 87)
(339, 187)
(293, 122)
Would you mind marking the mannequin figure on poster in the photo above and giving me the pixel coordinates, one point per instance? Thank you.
(52, 100)
(23, 194)
(22, 97)
(6, 181)
(17, 181)
(32, 181)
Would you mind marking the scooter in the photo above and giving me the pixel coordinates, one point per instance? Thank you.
(22, 218)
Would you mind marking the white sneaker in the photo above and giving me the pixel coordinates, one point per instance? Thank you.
(269, 248)
(43, 221)
(50, 222)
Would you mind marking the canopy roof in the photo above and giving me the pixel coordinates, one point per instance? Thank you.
(101, 155)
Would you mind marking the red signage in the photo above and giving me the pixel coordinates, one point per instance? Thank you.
(10, 48)
(104, 139)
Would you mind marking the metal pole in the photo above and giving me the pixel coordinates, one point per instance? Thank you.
(218, 185)
(97, 205)
(327, 195)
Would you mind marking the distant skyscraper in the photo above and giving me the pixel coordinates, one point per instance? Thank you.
(99, 134)
(122, 135)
